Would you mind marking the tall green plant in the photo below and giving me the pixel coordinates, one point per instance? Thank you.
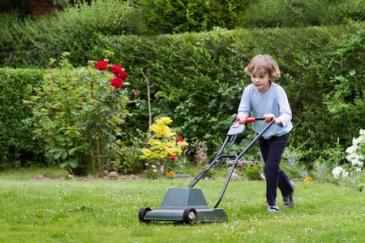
(77, 114)
(16, 144)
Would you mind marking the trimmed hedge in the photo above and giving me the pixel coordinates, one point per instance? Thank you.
(171, 16)
(290, 13)
(16, 144)
(197, 79)
(31, 43)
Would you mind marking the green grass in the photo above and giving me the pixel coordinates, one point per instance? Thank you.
(99, 210)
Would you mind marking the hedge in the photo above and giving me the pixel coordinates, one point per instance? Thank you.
(290, 13)
(197, 79)
(16, 144)
(171, 16)
(31, 43)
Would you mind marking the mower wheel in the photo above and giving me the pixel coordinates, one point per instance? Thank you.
(142, 212)
(189, 216)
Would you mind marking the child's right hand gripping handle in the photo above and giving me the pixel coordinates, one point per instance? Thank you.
(250, 120)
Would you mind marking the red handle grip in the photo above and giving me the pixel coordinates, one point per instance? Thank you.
(248, 120)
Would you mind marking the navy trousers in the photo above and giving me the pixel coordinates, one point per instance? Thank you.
(271, 150)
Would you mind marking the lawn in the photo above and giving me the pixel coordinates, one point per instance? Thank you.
(102, 210)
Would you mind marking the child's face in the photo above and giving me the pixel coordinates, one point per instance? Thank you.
(261, 81)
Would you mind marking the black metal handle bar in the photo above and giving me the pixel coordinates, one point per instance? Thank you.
(218, 156)
(234, 164)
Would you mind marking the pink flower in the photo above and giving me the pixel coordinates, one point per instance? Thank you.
(135, 91)
(162, 168)
(102, 65)
(117, 82)
(119, 71)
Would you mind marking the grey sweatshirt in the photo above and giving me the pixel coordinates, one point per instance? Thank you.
(273, 101)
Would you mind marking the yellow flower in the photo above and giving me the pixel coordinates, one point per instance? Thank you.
(160, 130)
(163, 121)
(162, 144)
(182, 144)
(308, 180)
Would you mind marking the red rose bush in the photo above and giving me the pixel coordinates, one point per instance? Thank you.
(78, 114)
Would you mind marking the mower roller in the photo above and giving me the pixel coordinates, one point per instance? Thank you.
(188, 204)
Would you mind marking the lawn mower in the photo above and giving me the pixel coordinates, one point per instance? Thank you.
(188, 204)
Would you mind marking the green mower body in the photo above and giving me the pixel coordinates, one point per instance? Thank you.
(184, 205)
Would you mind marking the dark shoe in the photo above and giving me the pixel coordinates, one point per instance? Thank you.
(272, 208)
(288, 201)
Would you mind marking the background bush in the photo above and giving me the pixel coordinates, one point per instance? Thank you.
(77, 114)
(16, 144)
(31, 43)
(288, 13)
(197, 79)
(170, 16)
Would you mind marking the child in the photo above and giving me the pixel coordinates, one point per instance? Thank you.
(264, 98)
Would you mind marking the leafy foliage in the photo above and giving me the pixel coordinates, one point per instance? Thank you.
(170, 16)
(77, 114)
(289, 13)
(197, 79)
(16, 144)
(31, 43)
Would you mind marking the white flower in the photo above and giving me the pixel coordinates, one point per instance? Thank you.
(356, 162)
(337, 172)
(362, 132)
(351, 149)
(357, 141)
(345, 173)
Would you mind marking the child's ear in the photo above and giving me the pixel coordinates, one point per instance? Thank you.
(274, 75)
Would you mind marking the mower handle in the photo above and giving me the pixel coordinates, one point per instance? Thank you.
(249, 120)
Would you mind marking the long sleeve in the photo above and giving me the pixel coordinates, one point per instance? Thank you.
(284, 108)
(245, 102)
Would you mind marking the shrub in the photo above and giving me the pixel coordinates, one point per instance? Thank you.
(16, 144)
(128, 160)
(77, 113)
(170, 16)
(31, 43)
(253, 171)
(197, 79)
(288, 13)
(163, 145)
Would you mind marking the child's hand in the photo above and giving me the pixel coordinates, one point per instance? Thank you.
(269, 117)
(242, 117)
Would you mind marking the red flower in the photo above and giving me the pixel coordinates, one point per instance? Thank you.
(173, 157)
(180, 139)
(117, 82)
(119, 72)
(102, 65)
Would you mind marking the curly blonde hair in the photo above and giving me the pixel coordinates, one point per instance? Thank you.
(263, 64)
